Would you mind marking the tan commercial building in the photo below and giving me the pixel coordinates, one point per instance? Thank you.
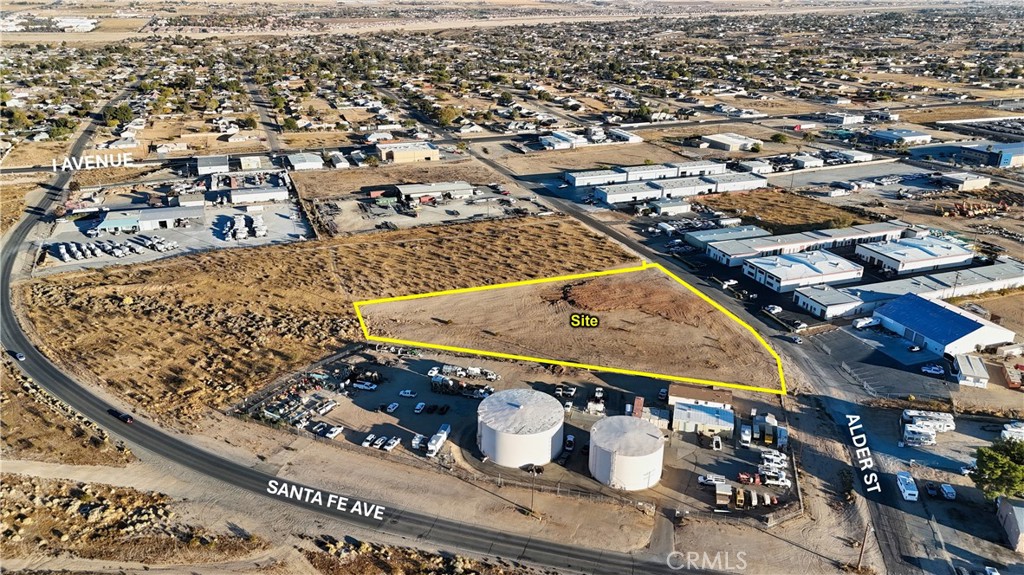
(408, 152)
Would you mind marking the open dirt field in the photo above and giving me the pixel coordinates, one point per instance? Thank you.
(177, 335)
(335, 183)
(105, 522)
(1007, 310)
(317, 139)
(37, 426)
(588, 158)
(952, 113)
(88, 178)
(12, 199)
(25, 154)
(781, 212)
(648, 323)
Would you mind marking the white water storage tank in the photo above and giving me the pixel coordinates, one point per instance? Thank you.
(626, 452)
(517, 427)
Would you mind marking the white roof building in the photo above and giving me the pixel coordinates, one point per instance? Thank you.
(734, 182)
(940, 327)
(632, 192)
(680, 187)
(971, 371)
(731, 142)
(437, 189)
(787, 272)
(305, 161)
(915, 254)
(966, 181)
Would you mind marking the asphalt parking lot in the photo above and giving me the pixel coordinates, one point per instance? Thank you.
(871, 360)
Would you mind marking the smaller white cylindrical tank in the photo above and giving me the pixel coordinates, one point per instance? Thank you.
(626, 452)
(517, 427)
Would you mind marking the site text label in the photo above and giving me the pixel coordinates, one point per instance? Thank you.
(328, 500)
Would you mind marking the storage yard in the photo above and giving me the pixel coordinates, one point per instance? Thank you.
(231, 303)
(521, 320)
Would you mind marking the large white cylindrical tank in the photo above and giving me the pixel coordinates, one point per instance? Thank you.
(517, 427)
(626, 452)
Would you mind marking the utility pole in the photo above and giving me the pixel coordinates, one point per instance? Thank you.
(864, 543)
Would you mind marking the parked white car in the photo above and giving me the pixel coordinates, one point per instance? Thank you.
(334, 432)
(773, 309)
(392, 443)
(392, 407)
(407, 393)
(933, 369)
(418, 440)
(420, 407)
(710, 479)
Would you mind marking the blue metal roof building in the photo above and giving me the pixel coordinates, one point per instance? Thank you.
(996, 155)
(938, 326)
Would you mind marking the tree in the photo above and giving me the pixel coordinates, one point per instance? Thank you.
(447, 115)
(121, 114)
(779, 138)
(74, 186)
(290, 124)
(506, 98)
(247, 123)
(756, 148)
(19, 119)
(1000, 469)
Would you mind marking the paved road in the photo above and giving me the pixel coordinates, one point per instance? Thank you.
(263, 109)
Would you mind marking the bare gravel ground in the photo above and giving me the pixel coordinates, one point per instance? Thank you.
(648, 323)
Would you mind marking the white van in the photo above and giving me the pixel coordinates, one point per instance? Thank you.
(907, 486)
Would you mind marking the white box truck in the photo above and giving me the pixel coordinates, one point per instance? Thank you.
(437, 441)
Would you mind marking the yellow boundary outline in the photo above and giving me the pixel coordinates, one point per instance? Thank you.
(643, 266)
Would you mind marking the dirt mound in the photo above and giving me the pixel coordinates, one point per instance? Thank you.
(656, 298)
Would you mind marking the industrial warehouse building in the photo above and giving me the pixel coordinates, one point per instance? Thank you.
(698, 168)
(995, 155)
(843, 119)
(701, 409)
(734, 182)
(681, 187)
(633, 192)
(908, 255)
(755, 167)
(700, 239)
(454, 190)
(652, 172)
(151, 219)
(897, 137)
(305, 161)
(787, 272)
(854, 156)
(734, 252)
(731, 142)
(940, 327)
(595, 178)
(207, 165)
(407, 152)
(803, 161)
(828, 303)
(643, 172)
(517, 427)
(259, 195)
(965, 181)
(562, 140)
(670, 207)
(626, 453)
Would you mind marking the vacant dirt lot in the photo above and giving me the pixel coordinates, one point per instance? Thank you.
(178, 335)
(951, 113)
(1006, 310)
(89, 178)
(12, 200)
(334, 183)
(39, 427)
(648, 323)
(781, 212)
(25, 154)
(103, 522)
(588, 158)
